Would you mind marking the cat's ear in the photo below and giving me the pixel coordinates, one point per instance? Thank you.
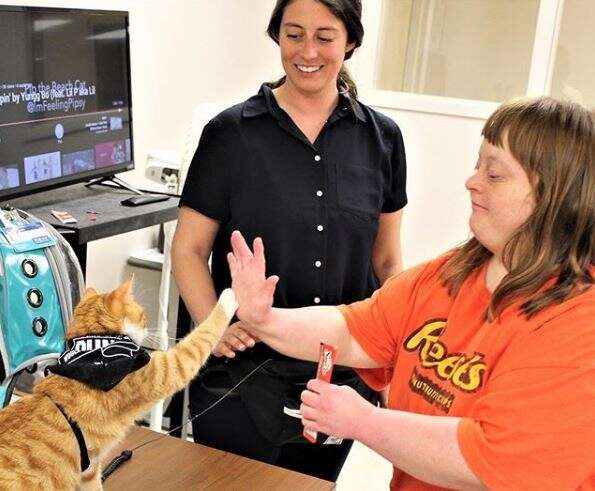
(90, 292)
(124, 291)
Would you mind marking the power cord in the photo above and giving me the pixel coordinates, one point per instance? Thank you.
(127, 454)
(148, 191)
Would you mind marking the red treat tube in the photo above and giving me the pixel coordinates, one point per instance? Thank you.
(326, 362)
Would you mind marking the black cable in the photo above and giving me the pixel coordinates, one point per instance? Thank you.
(127, 454)
(115, 463)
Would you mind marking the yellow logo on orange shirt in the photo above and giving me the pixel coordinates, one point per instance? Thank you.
(465, 373)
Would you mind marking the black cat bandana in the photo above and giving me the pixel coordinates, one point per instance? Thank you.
(100, 361)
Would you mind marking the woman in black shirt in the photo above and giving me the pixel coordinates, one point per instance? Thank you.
(321, 178)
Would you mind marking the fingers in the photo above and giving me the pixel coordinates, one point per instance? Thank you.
(310, 398)
(316, 385)
(233, 263)
(311, 425)
(235, 339)
(253, 290)
(310, 406)
(270, 285)
(240, 249)
(308, 413)
(228, 347)
(244, 338)
(235, 343)
(258, 248)
(242, 256)
(221, 349)
(314, 416)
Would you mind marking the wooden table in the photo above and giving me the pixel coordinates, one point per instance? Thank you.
(173, 464)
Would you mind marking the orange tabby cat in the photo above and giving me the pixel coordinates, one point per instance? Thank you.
(38, 446)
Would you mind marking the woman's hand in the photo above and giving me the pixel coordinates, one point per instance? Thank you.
(234, 339)
(253, 291)
(336, 410)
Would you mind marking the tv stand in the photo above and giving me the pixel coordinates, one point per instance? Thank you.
(110, 217)
(116, 183)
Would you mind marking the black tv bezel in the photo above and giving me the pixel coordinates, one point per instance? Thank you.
(6, 194)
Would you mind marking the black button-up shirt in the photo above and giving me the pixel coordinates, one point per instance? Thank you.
(316, 206)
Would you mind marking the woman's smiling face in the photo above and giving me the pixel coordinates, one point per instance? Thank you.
(313, 44)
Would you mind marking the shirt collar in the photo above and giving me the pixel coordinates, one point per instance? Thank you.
(264, 102)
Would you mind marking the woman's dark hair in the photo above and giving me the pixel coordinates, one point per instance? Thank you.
(350, 13)
(554, 141)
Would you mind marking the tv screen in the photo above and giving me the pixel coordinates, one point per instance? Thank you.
(65, 105)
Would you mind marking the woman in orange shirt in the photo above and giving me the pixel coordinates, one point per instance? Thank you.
(489, 349)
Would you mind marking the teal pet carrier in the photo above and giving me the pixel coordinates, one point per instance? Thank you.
(40, 283)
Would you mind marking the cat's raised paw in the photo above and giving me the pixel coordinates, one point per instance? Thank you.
(228, 301)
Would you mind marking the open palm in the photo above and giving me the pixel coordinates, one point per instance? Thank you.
(253, 291)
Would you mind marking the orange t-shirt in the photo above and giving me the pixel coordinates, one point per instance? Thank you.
(525, 388)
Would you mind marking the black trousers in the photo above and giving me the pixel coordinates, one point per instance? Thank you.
(229, 427)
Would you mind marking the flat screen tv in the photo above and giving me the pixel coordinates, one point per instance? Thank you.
(65, 104)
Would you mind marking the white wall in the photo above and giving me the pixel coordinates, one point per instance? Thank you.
(190, 51)
(441, 153)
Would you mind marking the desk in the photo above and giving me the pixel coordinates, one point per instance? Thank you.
(178, 465)
(112, 217)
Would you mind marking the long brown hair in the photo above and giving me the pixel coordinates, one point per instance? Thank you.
(554, 141)
(350, 13)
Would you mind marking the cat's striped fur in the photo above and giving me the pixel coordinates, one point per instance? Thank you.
(38, 449)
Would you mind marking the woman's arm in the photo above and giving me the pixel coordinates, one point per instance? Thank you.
(294, 332)
(423, 446)
(386, 254)
(191, 248)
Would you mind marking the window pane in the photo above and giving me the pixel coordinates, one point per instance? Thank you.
(574, 69)
(469, 49)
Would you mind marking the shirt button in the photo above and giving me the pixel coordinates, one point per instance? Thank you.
(319, 193)
(320, 228)
(318, 264)
(317, 158)
(316, 299)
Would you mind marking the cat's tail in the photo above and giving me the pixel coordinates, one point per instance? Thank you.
(170, 371)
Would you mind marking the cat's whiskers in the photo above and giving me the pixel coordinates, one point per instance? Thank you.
(134, 331)
(156, 338)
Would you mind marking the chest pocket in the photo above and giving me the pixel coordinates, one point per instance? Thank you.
(359, 188)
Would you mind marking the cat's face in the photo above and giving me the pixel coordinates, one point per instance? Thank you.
(115, 312)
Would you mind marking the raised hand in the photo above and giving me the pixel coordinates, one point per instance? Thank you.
(336, 410)
(253, 291)
(234, 339)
